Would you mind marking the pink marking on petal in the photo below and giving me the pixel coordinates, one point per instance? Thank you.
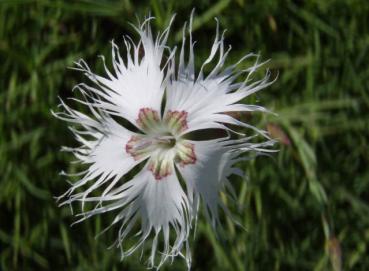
(188, 156)
(177, 120)
(147, 117)
(130, 147)
(159, 170)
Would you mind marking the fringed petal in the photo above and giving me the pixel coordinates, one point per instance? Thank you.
(208, 98)
(159, 207)
(134, 84)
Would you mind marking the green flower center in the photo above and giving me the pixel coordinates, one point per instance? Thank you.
(161, 142)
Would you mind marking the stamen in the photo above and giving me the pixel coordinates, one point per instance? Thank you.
(166, 141)
(142, 145)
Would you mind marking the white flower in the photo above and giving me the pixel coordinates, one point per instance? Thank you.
(155, 199)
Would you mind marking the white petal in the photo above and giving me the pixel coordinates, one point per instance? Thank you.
(103, 150)
(206, 178)
(207, 99)
(159, 206)
(134, 84)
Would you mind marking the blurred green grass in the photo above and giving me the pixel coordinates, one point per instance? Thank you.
(304, 209)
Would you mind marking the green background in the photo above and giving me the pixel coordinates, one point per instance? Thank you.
(304, 208)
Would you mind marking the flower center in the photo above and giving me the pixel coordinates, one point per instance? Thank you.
(162, 142)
